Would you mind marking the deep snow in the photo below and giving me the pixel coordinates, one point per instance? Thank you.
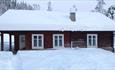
(62, 59)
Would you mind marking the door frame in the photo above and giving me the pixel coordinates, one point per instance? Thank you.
(20, 39)
(96, 42)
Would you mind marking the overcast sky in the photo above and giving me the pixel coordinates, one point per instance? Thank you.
(63, 0)
(65, 5)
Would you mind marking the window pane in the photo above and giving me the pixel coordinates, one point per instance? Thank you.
(35, 41)
(6, 42)
(56, 42)
(94, 41)
(12, 41)
(39, 37)
(22, 39)
(60, 40)
(60, 37)
(35, 37)
(40, 43)
(89, 40)
(56, 37)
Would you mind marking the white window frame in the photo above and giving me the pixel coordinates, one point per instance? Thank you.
(33, 47)
(91, 40)
(58, 40)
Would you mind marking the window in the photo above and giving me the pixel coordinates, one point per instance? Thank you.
(37, 41)
(6, 42)
(92, 40)
(58, 40)
(12, 41)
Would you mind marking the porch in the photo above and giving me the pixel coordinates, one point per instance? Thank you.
(12, 41)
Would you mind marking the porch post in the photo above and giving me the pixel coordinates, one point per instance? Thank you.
(2, 41)
(113, 38)
(10, 43)
(28, 41)
(16, 36)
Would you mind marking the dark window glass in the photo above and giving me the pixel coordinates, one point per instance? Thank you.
(94, 41)
(40, 41)
(60, 40)
(56, 41)
(90, 41)
(35, 41)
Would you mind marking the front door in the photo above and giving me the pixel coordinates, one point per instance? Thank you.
(91, 40)
(21, 41)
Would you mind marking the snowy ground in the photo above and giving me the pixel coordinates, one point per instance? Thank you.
(62, 59)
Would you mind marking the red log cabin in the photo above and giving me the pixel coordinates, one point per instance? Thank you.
(44, 29)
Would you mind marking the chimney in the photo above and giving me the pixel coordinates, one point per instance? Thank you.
(73, 13)
(73, 16)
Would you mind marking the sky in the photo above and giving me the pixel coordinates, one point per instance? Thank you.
(65, 5)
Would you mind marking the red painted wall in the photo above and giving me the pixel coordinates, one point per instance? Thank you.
(104, 38)
(48, 39)
(67, 39)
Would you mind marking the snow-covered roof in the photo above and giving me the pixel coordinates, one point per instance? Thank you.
(35, 20)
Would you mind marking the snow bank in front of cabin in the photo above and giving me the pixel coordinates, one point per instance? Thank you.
(67, 59)
(5, 60)
(8, 61)
(62, 59)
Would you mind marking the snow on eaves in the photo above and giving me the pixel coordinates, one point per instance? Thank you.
(28, 20)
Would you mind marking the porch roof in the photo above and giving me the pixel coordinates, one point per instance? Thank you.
(35, 20)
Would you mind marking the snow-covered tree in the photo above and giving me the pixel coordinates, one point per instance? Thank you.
(7, 4)
(99, 6)
(23, 6)
(74, 6)
(36, 6)
(13, 4)
(111, 12)
(73, 9)
(49, 6)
